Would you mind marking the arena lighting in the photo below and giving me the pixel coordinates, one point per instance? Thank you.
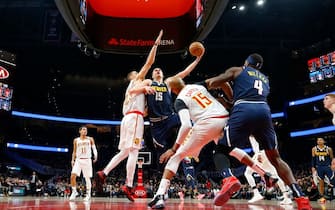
(277, 115)
(260, 2)
(308, 100)
(312, 131)
(248, 150)
(67, 119)
(241, 8)
(36, 148)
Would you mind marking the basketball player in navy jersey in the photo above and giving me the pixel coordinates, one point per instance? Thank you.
(164, 122)
(251, 115)
(322, 156)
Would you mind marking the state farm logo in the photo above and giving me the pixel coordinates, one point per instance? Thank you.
(138, 43)
(3, 73)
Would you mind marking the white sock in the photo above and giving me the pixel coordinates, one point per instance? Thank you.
(131, 167)
(74, 189)
(163, 186)
(256, 191)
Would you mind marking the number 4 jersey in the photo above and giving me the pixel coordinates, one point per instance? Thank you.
(251, 85)
(200, 102)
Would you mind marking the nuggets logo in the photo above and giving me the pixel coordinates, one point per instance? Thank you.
(137, 141)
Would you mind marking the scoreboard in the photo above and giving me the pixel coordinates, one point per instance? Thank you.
(322, 67)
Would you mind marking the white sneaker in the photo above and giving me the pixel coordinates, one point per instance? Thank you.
(87, 198)
(73, 205)
(255, 198)
(73, 195)
(286, 201)
(157, 202)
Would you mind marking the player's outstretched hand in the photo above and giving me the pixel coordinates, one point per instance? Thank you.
(149, 90)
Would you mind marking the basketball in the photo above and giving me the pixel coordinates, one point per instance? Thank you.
(196, 48)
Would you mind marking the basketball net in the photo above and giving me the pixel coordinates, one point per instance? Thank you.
(140, 163)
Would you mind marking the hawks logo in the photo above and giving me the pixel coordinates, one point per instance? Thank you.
(3, 73)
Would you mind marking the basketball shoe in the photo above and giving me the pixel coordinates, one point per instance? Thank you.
(230, 185)
(256, 197)
(73, 195)
(100, 179)
(303, 203)
(128, 192)
(157, 202)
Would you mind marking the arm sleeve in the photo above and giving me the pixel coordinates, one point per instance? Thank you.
(313, 161)
(185, 127)
(179, 105)
(95, 151)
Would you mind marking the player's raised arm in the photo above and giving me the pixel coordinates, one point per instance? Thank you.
(228, 75)
(150, 59)
(189, 68)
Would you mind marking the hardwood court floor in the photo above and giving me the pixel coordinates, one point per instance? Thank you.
(56, 203)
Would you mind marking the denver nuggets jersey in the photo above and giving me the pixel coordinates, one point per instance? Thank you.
(160, 103)
(83, 148)
(134, 102)
(322, 156)
(201, 103)
(251, 85)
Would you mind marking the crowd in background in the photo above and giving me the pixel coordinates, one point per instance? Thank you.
(59, 186)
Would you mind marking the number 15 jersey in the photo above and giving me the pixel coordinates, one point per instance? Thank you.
(200, 102)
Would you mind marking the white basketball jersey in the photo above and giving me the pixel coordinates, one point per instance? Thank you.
(201, 103)
(133, 102)
(83, 148)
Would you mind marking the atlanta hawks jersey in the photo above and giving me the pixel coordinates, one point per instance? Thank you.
(201, 103)
(133, 102)
(83, 148)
